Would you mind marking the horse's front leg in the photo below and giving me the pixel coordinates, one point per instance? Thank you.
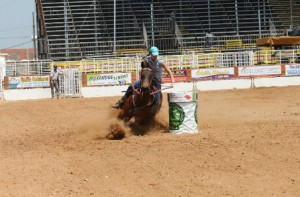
(131, 122)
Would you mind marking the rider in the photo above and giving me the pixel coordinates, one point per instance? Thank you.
(156, 66)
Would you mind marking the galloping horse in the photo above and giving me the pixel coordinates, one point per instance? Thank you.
(138, 107)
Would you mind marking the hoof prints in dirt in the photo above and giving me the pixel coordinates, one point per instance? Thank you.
(116, 133)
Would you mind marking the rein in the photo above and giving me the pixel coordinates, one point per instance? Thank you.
(136, 90)
(134, 103)
(167, 87)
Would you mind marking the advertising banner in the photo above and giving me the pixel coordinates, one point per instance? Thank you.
(179, 75)
(291, 70)
(89, 68)
(212, 74)
(108, 79)
(28, 82)
(259, 71)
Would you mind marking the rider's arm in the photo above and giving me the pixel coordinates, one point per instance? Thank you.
(164, 65)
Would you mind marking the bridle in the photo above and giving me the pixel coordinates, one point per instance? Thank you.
(140, 91)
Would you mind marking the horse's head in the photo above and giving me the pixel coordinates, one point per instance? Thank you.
(146, 77)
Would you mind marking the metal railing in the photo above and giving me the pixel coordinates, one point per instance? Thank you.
(1, 84)
(39, 67)
(72, 30)
(192, 60)
(70, 83)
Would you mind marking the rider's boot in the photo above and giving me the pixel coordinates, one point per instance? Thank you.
(120, 103)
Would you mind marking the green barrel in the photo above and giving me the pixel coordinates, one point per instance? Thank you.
(183, 117)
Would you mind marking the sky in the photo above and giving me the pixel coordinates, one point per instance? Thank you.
(16, 25)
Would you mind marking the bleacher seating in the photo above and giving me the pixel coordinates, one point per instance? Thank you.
(132, 51)
(234, 44)
(70, 30)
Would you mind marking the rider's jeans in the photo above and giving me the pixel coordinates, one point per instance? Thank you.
(158, 93)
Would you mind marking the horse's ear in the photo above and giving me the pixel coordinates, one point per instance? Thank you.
(143, 64)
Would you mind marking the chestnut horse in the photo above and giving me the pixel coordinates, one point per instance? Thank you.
(138, 107)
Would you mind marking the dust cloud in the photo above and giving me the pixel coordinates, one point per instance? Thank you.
(108, 126)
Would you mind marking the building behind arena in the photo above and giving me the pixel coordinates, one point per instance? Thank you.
(81, 29)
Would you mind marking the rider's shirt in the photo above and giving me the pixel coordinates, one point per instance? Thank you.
(156, 67)
(54, 75)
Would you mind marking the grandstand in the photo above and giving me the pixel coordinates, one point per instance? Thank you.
(77, 29)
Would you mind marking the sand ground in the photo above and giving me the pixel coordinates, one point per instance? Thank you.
(248, 145)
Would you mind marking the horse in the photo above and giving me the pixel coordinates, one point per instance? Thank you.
(138, 108)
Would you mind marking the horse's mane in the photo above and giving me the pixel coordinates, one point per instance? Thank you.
(145, 64)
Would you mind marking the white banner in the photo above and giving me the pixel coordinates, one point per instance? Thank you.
(292, 70)
(212, 73)
(108, 79)
(259, 70)
(28, 82)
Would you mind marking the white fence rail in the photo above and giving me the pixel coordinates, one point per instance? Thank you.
(40, 67)
(192, 60)
(1, 84)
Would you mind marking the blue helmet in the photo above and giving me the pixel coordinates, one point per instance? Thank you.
(154, 51)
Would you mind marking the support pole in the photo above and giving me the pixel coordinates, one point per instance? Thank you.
(115, 48)
(259, 23)
(34, 37)
(152, 25)
(236, 18)
(66, 28)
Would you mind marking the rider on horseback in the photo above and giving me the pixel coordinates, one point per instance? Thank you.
(156, 66)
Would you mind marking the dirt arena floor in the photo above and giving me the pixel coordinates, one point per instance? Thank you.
(248, 145)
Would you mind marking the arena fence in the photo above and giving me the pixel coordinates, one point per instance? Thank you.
(188, 68)
(70, 83)
(1, 84)
(190, 60)
(132, 64)
(39, 67)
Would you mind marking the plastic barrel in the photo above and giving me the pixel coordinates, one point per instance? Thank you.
(183, 117)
